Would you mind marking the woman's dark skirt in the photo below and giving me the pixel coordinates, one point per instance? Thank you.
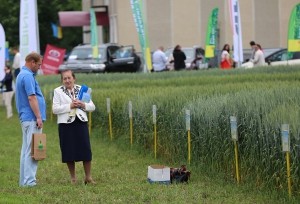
(74, 141)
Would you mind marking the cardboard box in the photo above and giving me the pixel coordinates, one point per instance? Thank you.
(159, 174)
(38, 146)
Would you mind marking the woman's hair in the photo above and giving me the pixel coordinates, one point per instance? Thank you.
(67, 70)
(226, 47)
(259, 46)
(177, 47)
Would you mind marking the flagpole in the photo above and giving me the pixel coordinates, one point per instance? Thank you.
(235, 16)
(2, 51)
(239, 51)
(144, 48)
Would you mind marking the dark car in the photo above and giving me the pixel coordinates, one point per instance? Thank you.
(81, 59)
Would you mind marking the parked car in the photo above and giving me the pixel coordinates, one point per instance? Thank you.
(81, 59)
(277, 56)
(283, 57)
(194, 56)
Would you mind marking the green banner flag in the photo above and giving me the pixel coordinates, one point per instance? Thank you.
(94, 34)
(211, 34)
(141, 27)
(294, 30)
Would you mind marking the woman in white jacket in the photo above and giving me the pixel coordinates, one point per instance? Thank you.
(72, 126)
(259, 58)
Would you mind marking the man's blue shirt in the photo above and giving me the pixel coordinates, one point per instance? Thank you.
(26, 85)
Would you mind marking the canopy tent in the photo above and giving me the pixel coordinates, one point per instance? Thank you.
(81, 18)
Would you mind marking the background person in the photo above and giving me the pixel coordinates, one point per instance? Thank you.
(259, 58)
(252, 45)
(31, 107)
(179, 58)
(16, 61)
(159, 60)
(8, 93)
(196, 63)
(226, 62)
(170, 62)
(72, 126)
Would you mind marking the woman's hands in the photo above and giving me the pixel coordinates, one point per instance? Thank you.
(77, 104)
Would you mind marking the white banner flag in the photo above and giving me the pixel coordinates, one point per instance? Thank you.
(235, 19)
(29, 32)
(2, 52)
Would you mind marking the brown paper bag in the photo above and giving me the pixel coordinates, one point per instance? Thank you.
(38, 146)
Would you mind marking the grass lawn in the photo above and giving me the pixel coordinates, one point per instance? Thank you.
(120, 173)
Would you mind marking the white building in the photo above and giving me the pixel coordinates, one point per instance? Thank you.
(172, 22)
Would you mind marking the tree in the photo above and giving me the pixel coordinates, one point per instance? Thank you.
(47, 13)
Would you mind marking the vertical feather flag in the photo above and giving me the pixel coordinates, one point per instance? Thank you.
(294, 30)
(211, 33)
(56, 30)
(141, 27)
(94, 33)
(29, 30)
(237, 31)
(2, 52)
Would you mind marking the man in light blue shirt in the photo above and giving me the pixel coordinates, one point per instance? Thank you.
(31, 108)
(159, 60)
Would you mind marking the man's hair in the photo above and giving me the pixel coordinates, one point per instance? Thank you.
(7, 66)
(252, 43)
(33, 56)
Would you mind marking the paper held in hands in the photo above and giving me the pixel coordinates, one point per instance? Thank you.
(85, 93)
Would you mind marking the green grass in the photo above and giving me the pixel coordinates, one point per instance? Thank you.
(120, 173)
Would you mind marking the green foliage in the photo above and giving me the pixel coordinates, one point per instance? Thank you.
(47, 13)
(120, 173)
(261, 99)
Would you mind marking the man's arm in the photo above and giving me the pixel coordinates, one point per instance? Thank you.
(35, 108)
(164, 58)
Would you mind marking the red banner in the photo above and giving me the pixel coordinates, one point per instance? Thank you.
(53, 57)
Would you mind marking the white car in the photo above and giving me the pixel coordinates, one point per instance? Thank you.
(279, 57)
(283, 57)
(191, 54)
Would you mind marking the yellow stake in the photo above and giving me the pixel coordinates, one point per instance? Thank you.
(131, 132)
(155, 141)
(90, 122)
(289, 173)
(236, 162)
(110, 126)
(189, 146)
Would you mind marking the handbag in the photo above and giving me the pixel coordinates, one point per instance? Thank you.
(38, 146)
(180, 175)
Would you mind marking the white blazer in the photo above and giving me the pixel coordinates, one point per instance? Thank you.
(61, 105)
